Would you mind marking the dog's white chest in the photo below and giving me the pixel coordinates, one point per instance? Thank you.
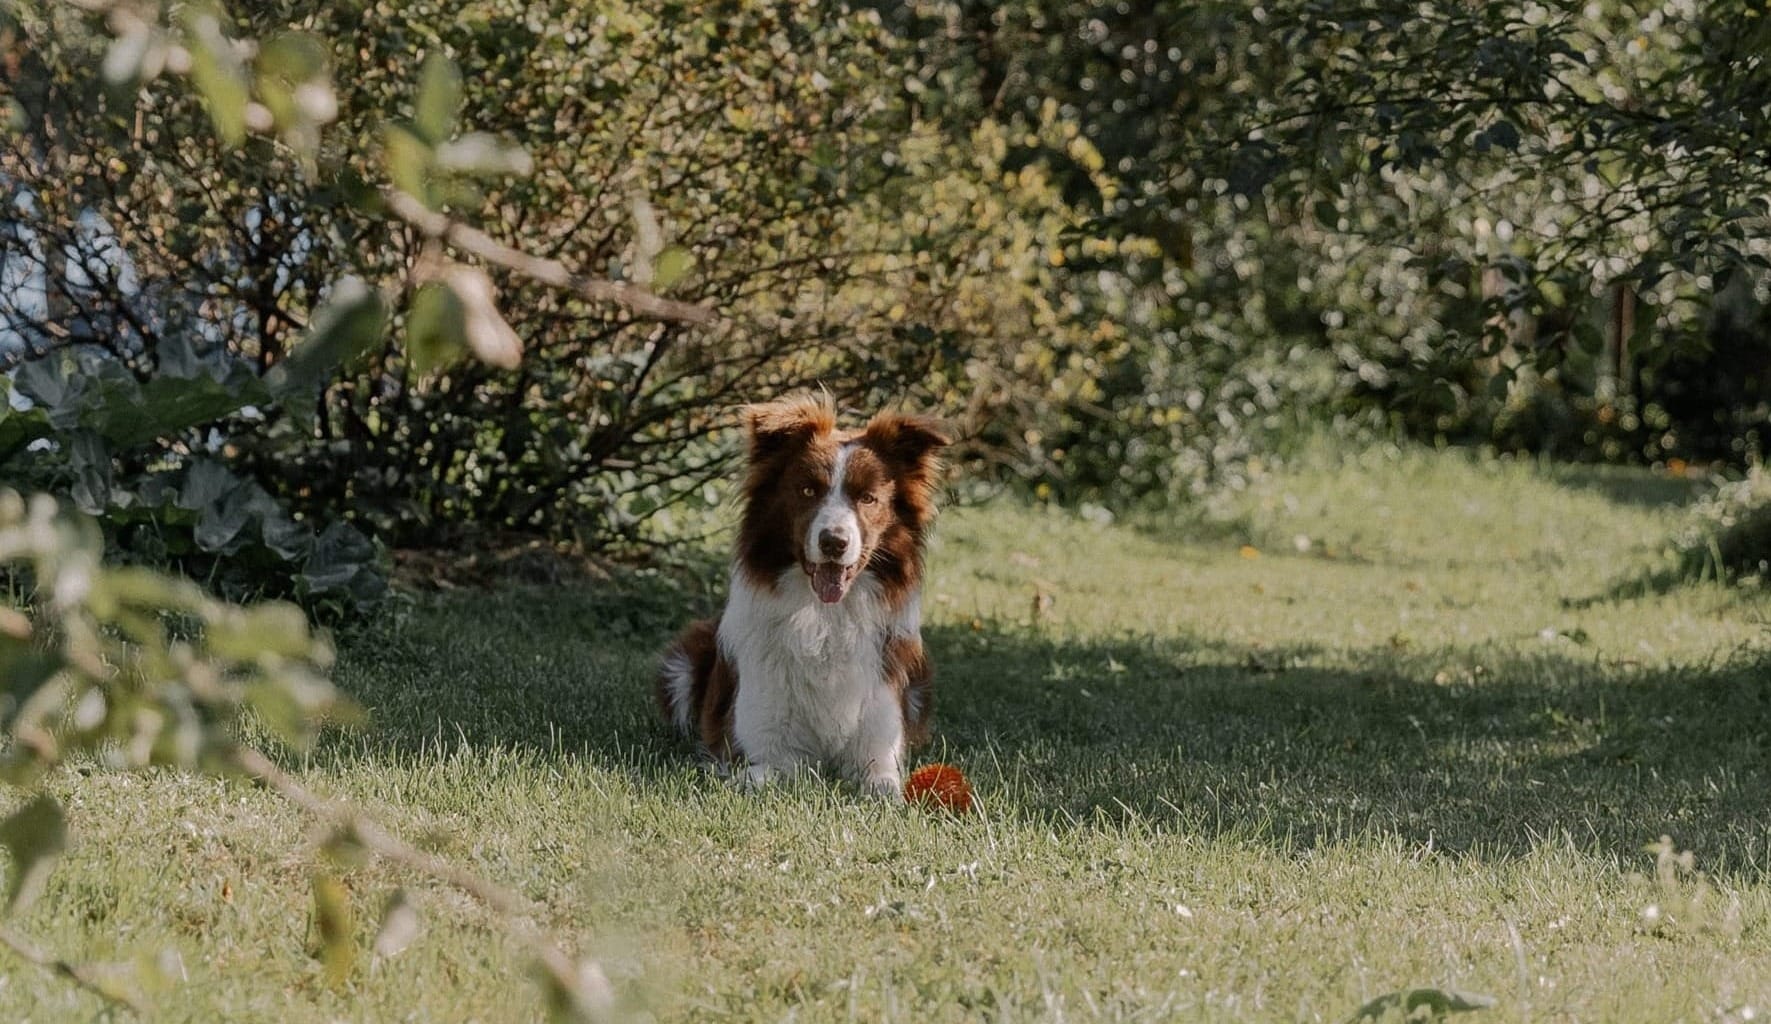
(809, 673)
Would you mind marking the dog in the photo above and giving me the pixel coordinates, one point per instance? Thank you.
(817, 660)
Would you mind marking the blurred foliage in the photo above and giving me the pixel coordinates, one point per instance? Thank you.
(763, 158)
(1726, 538)
(1138, 250)
(137, 667)
(1519, 224)
(132, 668)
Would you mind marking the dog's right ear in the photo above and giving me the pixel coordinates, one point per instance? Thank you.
(786, 425)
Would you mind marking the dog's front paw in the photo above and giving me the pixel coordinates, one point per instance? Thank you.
(756, 776)
(883, 787)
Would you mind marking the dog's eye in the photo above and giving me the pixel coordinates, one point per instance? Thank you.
(809, 491)
(868, 498)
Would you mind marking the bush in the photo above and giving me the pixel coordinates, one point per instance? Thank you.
(1728, 534)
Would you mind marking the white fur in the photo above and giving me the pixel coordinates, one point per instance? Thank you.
(836, 513)
(811, 679)
(679, 682)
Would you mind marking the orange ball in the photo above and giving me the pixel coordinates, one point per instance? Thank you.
(939, 785)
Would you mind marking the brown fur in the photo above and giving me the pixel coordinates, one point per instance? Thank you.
(908, 671)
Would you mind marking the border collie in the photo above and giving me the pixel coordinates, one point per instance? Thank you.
(817, 660)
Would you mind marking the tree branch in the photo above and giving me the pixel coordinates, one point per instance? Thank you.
(549, 272)
(79, 974)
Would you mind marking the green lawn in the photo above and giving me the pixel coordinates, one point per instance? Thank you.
(1399, 739)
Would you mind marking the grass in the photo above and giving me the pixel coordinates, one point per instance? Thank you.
(1365, 730)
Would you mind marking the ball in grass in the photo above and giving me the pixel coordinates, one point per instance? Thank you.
(939, 785)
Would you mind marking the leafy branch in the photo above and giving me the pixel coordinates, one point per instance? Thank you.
(83, 975)
(136, 668)
(577, 986)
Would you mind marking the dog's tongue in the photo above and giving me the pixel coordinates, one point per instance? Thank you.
(827, 582)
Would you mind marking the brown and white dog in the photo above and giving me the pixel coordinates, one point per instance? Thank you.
(817, 659)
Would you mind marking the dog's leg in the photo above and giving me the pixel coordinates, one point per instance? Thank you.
(759, 718)
(878, 751)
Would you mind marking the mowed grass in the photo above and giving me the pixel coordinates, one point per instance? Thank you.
(1367, 729)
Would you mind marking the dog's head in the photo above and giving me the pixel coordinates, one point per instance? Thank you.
(837, 503)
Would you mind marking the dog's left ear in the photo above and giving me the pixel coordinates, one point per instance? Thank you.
(779, 427)
(907, 439)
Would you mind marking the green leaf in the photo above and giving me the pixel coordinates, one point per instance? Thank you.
(286, 63)
(337, 928)
(221, 527)
(218, 74)
(1420, 1004)
(340, 560)
(344, 328)
(166, 405)
(276, 629)
(292, 56)
(90, 460)
(23, 668)
(282, 713)
(91, 392)
(206, 483)
(131, 586)
(19, 427)
(409, 160)
(436, 329)
(35, 835)
(439, 98)
(672, 265)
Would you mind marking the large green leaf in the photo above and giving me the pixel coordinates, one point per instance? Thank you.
(276, 629)
(436, 328)
(409, 160)
(92, 391)
(35, 835)
(23, 665)
(90, 459)
(19, 427)
(335, 922)
(346, 326)
(343, 561)
(218, 73)
(439, 98)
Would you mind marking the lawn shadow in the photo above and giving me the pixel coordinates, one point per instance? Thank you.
(1627, 485)
(1481, 753)
(556, 669)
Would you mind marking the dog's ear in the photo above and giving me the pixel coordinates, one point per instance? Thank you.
(906, 439)
(786, 425)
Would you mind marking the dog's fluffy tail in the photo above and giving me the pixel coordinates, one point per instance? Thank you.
(683, 674)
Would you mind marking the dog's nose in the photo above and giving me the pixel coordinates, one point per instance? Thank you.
(833, 543)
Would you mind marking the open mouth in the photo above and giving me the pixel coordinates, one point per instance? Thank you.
(831, 580)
